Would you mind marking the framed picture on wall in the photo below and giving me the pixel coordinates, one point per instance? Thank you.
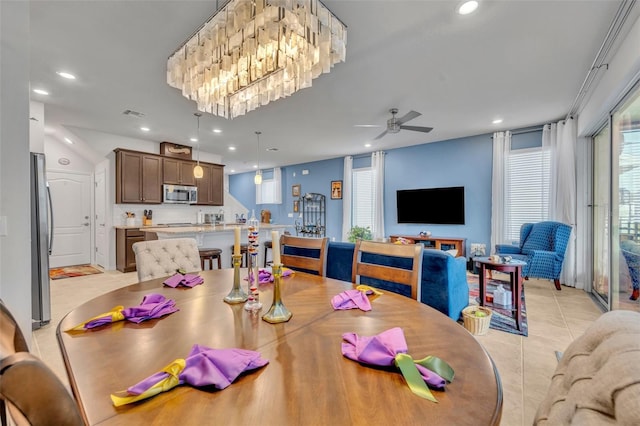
(295, 190)
(296, 206)
(336, 190)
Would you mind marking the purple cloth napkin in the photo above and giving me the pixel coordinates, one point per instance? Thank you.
(153, 306)
(187, 280)
(206, 366)
(351, 299)
(266, 276)
(382, 349)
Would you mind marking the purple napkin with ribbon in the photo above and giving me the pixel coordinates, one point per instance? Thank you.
(187, 280)
(382, 349)
(202, 367)
(351, 299)
(153, 306)
(265, 275)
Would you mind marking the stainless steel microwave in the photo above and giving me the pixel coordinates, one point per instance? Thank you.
(178, 194)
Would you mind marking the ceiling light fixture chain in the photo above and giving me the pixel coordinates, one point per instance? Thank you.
(198, 172)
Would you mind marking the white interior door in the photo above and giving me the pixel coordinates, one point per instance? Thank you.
(71, 199)
(100, 209)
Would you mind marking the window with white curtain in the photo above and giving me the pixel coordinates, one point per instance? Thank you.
(527, 189)
(362, 205)
(270, 191)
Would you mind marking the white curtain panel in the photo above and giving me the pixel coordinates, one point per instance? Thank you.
(560, 138)
(346, 197)
(277, 182)
(499, 203)
(377, 166)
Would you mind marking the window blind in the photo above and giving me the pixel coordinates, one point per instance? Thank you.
(362, 206)
(528, 179)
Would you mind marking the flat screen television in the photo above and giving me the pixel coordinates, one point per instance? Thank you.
(442, 206)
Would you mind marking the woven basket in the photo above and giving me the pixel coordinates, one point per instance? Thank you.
(476, 325)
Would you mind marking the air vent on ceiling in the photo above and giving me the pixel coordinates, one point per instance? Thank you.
(133, 113)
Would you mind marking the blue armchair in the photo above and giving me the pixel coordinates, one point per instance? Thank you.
(542, 246)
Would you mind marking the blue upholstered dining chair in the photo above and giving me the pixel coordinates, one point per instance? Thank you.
(542, 246)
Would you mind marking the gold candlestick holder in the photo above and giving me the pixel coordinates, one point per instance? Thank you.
(277, 312)
(236, 295)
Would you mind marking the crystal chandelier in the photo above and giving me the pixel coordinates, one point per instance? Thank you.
(252, 52)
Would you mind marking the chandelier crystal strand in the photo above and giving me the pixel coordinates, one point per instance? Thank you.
(250, 53)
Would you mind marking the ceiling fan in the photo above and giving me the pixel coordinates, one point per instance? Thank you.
(394, 125)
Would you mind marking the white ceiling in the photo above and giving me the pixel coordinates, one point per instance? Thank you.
(522, 61)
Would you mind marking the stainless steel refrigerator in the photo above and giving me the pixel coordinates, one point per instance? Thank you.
(41, 242)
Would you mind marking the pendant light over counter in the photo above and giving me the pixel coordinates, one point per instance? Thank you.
(257, 179)
(198, 173)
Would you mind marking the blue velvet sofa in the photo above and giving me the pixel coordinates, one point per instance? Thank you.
(444, 278)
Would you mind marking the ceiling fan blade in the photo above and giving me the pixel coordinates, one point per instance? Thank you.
(417, 128)
(408, 116)
(380, 135)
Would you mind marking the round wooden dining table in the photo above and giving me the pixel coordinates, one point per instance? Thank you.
(307, 380)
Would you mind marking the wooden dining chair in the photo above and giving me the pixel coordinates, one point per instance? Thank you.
(304, 254)
(11, 338)
(33, 393)
(377, 261)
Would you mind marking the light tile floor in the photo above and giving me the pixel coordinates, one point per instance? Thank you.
(525, 364)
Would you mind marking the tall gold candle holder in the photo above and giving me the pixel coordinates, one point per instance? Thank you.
(236, 295)
(277, 312)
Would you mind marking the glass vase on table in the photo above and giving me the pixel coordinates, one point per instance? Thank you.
(253, 246)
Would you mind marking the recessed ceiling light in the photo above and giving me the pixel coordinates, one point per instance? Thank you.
(145, 129)
(366, 125)
(497, 121)
(367, 145)
(66, 75)
(217, 131)
(467, 7)
(232, 171)
(69, 141)
(194, 139)
(255, 166)
(232, 148)
(40, 92)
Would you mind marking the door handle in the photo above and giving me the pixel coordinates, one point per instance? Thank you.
(85, 224)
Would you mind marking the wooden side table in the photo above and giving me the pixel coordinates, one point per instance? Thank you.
(514, 269)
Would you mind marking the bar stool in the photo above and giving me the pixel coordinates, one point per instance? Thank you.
(267, 245)
(244, 253)
(210, 254)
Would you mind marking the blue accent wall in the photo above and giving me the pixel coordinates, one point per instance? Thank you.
(458, 162)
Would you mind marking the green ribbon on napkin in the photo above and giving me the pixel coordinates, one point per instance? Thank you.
(438, 366)
(416, 383)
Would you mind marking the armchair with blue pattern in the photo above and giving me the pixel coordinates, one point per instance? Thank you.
(542, 246)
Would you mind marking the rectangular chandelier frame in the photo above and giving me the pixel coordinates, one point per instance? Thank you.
(252, 52)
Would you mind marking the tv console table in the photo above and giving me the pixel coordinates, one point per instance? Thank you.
(437, 243)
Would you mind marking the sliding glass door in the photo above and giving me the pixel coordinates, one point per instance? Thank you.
(616, 207)
(625, 144)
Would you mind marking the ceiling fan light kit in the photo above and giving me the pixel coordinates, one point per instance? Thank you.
(394, 125)
(250, 53)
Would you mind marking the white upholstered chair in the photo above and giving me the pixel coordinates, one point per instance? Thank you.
(597, 381)
(162, 258)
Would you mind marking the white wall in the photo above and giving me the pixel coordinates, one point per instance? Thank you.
(54, 151)
(15, 246)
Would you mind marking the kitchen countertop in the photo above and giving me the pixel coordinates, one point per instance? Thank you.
(206, 228)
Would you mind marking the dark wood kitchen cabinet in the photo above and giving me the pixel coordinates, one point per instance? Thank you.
(125, 257)
(178, 172)
(210, 186)
(138, 177)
